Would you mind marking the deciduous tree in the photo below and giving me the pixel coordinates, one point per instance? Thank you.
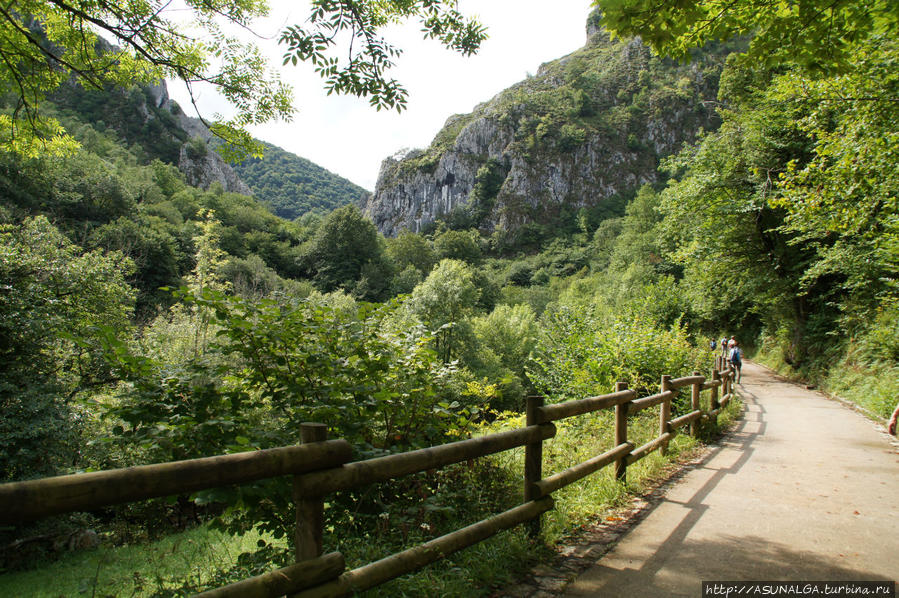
(443, 301)
(44, 43)
(51, 296)
(820, 35)
(346, 252)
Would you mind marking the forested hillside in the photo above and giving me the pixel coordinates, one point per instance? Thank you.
(143, 319)
(154, 127)
(292, 186)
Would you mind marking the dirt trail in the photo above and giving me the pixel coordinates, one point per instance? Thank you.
(804, 489)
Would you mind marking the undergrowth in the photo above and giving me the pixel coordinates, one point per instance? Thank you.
(873, 387)
(427, 505)
(172, 566)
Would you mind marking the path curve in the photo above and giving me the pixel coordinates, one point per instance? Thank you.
(804, 489)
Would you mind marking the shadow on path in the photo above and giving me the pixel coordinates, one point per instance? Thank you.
(778, 519)
(740, 439)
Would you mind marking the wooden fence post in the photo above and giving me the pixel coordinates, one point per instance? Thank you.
(695, 391)
(533, 460)
(310, 511)
(621, 434)
(665, 414)
(719, 367)
(728, 376)
(713, 401)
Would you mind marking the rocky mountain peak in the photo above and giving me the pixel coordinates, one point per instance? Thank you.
(589, 127)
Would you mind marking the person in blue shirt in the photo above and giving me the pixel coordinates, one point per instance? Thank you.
(736, 359)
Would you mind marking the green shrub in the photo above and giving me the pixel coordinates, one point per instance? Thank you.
(582, 353)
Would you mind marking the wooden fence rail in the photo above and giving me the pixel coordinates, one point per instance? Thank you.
(321, 467)
(24, 501)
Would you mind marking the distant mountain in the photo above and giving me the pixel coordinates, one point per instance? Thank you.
(153, 126)
(574, 141)
(291, 185)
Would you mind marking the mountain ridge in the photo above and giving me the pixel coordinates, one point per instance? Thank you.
(583, 134)
(146, 116)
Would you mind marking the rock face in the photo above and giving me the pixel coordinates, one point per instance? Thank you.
(203, 168)
(588, 127)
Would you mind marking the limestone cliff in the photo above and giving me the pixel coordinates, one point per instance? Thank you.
(586, 128)
(145, 116)
(201, 167)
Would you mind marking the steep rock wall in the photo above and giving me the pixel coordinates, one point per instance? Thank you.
(202, 169)
(587, 127)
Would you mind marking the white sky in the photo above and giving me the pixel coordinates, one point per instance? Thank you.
(348, 137)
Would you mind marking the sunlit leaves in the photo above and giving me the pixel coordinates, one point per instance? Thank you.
(45, 43)
(370, 56)
(39, 137)
(443, 301)
(792, 205)
(845, 200)
(581, 352)
(818, 35)
(718, 213)
(372, 378)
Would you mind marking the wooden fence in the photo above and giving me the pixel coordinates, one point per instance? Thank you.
(320, 467)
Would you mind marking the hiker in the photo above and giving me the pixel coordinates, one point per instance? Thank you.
(736, 359)
(723, 346)
(891, 427)
(712, 344)
(731, 344)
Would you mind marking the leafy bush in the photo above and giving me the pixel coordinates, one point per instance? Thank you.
(582, 353)
(510, 332)
(369, 372)
(52, 293)
(880, 341)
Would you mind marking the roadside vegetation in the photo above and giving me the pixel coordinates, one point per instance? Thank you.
(145, 320)
(183, 563)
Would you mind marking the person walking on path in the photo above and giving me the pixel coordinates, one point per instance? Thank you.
(891, 426)
(736, 358)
